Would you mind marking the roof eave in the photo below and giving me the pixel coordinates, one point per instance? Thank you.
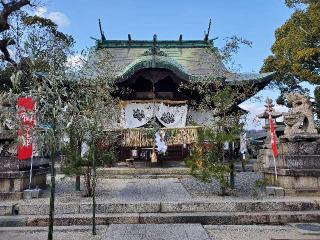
(245, 79)
(148, 44)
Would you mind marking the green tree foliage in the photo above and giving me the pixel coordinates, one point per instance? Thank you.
(213, 161)
(36, 42)
(294, 3)
(296, 51)
(92, 115)
(220, 100)
(34, 55)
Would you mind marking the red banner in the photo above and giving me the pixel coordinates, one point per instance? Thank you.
(26, 114)
(273, 137)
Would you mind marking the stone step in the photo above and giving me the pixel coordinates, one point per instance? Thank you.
(234, 218)
(211, 218)
(144, 176)
(156, 231)
(72, 228)
(241, 206)
(160, 172)
(41, 208)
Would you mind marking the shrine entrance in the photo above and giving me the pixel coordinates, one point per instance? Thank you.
(154, 113)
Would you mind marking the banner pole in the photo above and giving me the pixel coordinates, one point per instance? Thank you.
(31, 164)
(275, 168)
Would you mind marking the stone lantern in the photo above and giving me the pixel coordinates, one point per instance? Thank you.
(298, 162)
(265, 155)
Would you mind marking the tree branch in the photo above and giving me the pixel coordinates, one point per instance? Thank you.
(9, 8)
(4, 43)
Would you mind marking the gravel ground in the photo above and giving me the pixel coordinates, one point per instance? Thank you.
(160, 189)
(244, 186)
(124, 189)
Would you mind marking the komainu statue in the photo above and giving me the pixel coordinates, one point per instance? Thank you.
(299, 119)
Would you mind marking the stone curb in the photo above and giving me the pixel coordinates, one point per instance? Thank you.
(12, 221)
(121, 207)
(84, 219)
(143, 171)
(164, 207)
(73, 228)
(209, 218)
(249, 206)
(144, 176)
(228, 218)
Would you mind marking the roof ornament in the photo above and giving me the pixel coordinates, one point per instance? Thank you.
(103, 38)
(129, 37)
(154, 50)
(180, 38)
(206, 36)
(154, 39)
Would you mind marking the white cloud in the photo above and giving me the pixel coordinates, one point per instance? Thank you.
(75, 61)
(40, 11)
(58, 17)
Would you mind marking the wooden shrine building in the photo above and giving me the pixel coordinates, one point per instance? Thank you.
(151, 73)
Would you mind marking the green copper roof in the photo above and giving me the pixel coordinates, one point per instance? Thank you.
(244, 78)
(154, 62)
(191, 60)
(149, 44)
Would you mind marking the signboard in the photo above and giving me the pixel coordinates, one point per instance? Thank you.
(27, 120)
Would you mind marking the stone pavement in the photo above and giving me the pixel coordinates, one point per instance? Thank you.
(163, 232)
(258, 232)
(59, 233)
(121, 190)
(155, 232)
(168, 189)
(154, 190)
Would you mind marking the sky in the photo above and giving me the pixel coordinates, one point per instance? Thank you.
(254, 20)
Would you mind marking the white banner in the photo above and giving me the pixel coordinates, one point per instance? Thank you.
(172, 116)
(135, 115)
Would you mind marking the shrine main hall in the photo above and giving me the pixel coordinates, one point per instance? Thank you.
(149, 74)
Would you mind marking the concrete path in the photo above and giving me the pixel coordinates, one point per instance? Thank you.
(163, 232)
(122, 190)
(155, 232)
(258, 232)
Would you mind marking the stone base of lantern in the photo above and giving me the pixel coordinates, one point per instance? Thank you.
(15, 175)
(298, 165)
(302, 182)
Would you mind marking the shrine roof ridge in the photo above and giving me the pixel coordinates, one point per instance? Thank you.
(151, 43)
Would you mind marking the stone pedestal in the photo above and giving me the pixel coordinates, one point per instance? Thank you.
(14, 176)
(298, 164)
(265, 159)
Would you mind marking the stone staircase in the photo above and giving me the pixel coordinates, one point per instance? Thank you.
(148, 173)
(249, 212)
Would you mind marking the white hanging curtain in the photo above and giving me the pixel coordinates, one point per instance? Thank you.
(172, 116)
(135, 115)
